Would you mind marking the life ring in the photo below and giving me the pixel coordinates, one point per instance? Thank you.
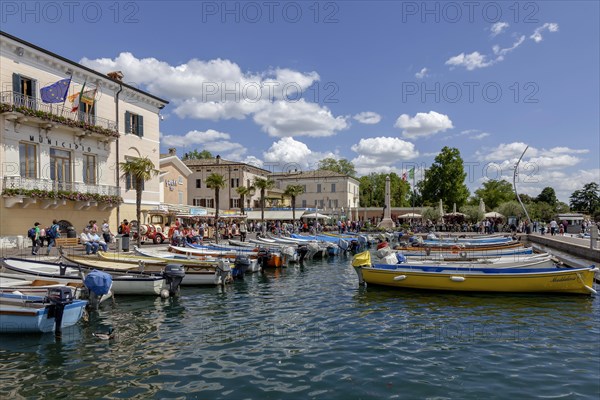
(455, 249)
(463, 254)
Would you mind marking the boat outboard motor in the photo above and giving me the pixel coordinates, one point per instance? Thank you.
(223, 272)
(98, 284)
(241, 265)
(302, 252)
(174, 274)
(58, 297)
(263, 258)
(354, 246)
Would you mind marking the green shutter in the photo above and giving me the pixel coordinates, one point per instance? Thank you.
(127, 122)
(140, 126)
(127, 181)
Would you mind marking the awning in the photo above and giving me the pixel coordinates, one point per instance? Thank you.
(316, 215)
(282, 215)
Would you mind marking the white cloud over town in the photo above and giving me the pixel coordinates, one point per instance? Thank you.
(423, 124)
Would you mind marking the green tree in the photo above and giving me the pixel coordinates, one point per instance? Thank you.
(293, 191)
(138, 170)
(541, 211)
(494, 192)
(244, 191)
(196, 155)
(548, 195)
(446, 179)
(587, 199)
(216, 182)
(511, 209)
(432, 214)
(472, 212)
(372, 190)
(341, 166)
(263, 184)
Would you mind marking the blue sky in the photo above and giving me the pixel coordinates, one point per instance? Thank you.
(383, 84)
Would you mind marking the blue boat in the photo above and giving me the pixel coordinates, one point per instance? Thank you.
(38, 314)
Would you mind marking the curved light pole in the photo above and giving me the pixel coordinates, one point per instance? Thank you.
(515, 184)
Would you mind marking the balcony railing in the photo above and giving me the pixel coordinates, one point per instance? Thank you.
(56, 112)
(13, 183)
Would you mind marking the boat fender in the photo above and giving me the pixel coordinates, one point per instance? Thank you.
(457, 278)
(400, 277)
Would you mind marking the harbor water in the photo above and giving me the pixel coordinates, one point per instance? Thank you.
(311, 332)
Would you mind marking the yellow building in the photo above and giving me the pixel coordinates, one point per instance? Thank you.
(235, 173)
(330, 192)
(62, 163)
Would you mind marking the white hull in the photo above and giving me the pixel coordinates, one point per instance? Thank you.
(123, 284)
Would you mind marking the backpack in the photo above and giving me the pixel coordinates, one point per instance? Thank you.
(120, 229)
(51, 232)
(31, 233)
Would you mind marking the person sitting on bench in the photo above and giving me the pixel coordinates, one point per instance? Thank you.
(88, 241)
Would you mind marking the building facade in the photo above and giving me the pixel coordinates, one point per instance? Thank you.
(62, 163)
(330, 192)
(235, 174)
(173, 180)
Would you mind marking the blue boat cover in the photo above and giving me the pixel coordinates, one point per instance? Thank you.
(98, 282)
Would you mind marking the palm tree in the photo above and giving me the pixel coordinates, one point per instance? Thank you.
(244, 191)
(292, 191)
(139, 170)
(263, 184)
(217, 182)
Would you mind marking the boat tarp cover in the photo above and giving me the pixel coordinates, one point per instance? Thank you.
(98, 282)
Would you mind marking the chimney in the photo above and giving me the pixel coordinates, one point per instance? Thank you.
(115, 75)
(172, 151)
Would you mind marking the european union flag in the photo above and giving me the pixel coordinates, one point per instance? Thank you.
(57, 92)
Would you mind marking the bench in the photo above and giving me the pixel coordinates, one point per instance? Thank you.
(66, 242)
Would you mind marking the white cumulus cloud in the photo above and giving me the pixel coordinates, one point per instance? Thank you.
(470, 61)
(300, 118)
(421, 74)
(379, 154)
(219, 89)
(498, 28)
(288, 152)
(367, 117)
(423, 124)
(214, 141)
(537, 37)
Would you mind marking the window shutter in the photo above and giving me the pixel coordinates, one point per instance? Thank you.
(127, 181)
(34, 94)
(127, 122)
(140, 126)
(16, 83)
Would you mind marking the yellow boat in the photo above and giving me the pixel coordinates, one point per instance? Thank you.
(516, 280)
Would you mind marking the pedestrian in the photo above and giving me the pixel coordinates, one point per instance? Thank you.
(106, 234)
(124, 228)
(34, 235)
(243, 231)
(51, 234)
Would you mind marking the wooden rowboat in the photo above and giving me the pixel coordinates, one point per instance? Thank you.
(517, 280)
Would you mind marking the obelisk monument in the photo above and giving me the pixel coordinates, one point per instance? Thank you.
(387, 221)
